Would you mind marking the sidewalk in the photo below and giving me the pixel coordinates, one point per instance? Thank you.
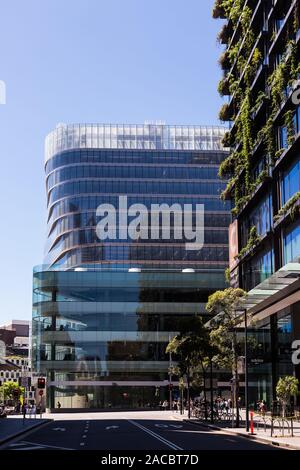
(262, 432)
(13, 426)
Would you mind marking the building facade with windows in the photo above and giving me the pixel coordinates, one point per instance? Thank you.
(261, 69)
(105, 308)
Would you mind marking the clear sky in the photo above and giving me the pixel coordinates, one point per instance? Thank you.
(88, 61)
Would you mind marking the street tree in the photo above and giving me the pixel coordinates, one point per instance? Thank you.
(286, 388)
(11, 390)
(192, 347)
(224, 306)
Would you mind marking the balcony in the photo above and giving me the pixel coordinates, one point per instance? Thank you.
(280, 219)
(287, 98)
(288, 152)
(237, 28)
(254, 249)
(280, 32)
(258, 72)
(254, 196)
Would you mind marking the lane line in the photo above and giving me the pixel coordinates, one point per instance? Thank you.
(157, 436)
(30, 448)
(46, 445)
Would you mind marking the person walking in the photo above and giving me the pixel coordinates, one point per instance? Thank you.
(33, 411)
(58, 405)
(24, 410)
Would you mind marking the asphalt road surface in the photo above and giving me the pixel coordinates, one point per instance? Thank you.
(128, 431)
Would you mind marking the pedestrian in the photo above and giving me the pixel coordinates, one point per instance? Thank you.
(24, 410)
(58, 405)
(33, 411)
(165, 405)
(263, 407)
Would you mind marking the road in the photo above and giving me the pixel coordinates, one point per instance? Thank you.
(128, 431)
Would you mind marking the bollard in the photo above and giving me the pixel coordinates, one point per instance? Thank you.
(251, 422)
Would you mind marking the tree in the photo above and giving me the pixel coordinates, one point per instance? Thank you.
(9, 390)
(286, 388)
(192, 346)
(175, 370)
(224, 305)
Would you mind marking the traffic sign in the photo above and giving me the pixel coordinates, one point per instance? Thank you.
(25, 382)
(41, 383)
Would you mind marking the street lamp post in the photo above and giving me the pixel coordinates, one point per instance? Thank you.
(244, 312)
(170, 380)
(246, 372)
(211, 393)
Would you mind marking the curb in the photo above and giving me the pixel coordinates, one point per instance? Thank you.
(24, 431)
(246, 436)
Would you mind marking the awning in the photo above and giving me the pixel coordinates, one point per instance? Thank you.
(277, 286)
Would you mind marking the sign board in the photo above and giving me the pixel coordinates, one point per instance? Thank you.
(233, 244)
(25, 382)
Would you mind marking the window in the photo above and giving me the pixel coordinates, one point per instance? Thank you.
(290, 183)
(283, 137)
(297, 120)
(259, 268)
(291, 243)
(260, 217)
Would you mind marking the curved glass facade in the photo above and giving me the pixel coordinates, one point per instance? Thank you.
(78, 181)
(99, 330)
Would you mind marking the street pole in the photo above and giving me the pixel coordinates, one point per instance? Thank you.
(246, 372)
(170, 393)
(211, 393)
(170, 381)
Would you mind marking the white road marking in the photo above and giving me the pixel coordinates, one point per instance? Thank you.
(30, 448)
(112, 427)
(157, 436)
(177, 426)
(35, 445)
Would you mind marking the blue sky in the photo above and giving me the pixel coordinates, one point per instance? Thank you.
(89, 61)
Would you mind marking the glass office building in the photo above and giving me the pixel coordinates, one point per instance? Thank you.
(105, 308)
